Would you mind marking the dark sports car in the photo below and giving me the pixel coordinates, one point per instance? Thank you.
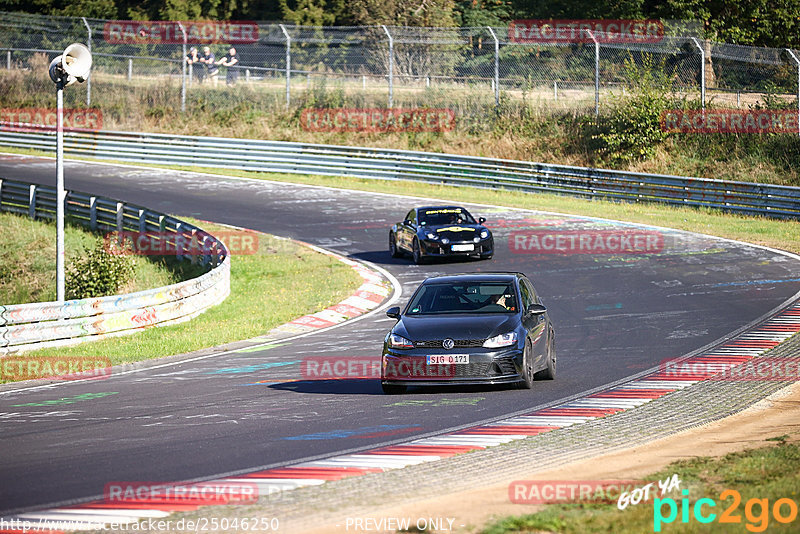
(469, 329)
(438, 231)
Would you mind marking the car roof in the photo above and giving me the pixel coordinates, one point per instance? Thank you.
(474, 277)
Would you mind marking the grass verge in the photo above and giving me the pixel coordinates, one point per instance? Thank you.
(280, 282)
(761, 477)
(28, 257)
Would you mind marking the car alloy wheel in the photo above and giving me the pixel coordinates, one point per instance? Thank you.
(549, 372)
(393, 250)
(527, 366)
(416, 253)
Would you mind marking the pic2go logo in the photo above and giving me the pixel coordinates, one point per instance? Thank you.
(756, 511)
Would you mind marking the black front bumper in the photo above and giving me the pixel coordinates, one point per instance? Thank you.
(432, 248)
(410, 367)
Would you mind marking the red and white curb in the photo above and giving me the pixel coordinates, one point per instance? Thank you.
(736, 352)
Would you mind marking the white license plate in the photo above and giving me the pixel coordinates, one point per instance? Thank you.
(448, 359)
(462, 248)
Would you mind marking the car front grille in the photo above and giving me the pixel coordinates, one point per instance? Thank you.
(457, 343)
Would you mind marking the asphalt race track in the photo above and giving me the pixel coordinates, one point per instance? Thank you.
(615, 316)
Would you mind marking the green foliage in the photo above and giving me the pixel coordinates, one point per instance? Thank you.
(632, 130)
(100, 271)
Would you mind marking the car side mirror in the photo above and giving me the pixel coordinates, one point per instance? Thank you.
(536, 309)
(393, 312)
(481, 220)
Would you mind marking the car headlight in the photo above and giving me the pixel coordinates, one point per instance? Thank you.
(399, 342)
(484, 234)
(503, 340)
(445, 241)
(431, 235)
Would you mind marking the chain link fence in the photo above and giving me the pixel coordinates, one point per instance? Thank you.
(411, 67)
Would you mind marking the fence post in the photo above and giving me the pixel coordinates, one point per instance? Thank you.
(130, 69)
(702, 73)
(596, 73)
(8, 59)
(89, 78)
(183, 68)
(391, 65)
(797, 62)
(496, 67)
(555, 90)
(288, 65)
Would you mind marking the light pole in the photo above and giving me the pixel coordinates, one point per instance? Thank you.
(70, 67)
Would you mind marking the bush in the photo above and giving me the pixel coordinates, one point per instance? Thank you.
(100, 271)
(632, 130)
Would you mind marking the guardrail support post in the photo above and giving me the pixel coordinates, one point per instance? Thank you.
(496, 67)
(89, 78)
(120, 218)
(702, 73)
(93, 213)
(32, 201)
(183, 69)
(178, 241)
(142, 221)
(288, 66)
(797, 62)
(391, 65)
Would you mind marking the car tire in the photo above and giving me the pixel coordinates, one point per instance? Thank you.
(393, 389)
(416, 253)
(393, 249)
(486, 256)
(549, 372)
(527, 366)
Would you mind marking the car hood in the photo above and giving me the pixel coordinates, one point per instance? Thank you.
(457, 232)
(455, 326)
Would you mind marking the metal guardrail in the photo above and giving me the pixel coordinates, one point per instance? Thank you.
(38, 325)
(376, 163)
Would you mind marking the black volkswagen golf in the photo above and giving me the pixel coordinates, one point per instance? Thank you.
(482, 328)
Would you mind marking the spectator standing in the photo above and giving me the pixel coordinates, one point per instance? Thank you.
(198, 69)
(231, 60)
(211, 65)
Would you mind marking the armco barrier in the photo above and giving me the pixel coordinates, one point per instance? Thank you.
(37, 325)
(375, 163)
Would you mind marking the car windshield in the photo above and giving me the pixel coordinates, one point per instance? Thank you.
(472, 297)
(443, 216)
